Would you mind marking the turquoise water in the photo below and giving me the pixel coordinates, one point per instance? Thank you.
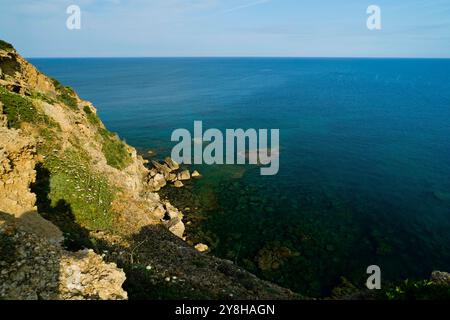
(364, 157)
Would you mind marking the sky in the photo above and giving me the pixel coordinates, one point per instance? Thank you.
(282, 28)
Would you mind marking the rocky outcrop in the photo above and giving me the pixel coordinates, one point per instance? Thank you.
(33, 264)
(17, 162)
(21, 75)
(84, 275)
(163, 173)
(31, 267)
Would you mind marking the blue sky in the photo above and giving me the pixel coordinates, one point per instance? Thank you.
(311, 28)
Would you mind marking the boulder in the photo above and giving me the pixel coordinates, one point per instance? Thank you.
(177, 228)
(172, 164)
(84, 275)
(184, 175)
(178, 184)
(201, 247)
(173, 212)
(195, 174)
(157, 182)
(161, 168)
(153, 172)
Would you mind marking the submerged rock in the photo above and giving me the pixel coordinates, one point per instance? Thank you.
(442, 196)
(272, 257)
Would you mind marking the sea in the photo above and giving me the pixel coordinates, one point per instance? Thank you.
(364, 173)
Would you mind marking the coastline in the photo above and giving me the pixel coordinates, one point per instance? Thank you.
(77, 178)
(84, 188)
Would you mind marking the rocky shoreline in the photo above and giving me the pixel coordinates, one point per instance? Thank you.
(165, 174)
(81, 204)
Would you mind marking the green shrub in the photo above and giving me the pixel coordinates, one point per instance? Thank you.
(21, 109)
(415, 290)
(115, 150)
(57, 84)
(68, 100)
(92, 117)
(66, 95)
(5, 46)
(43, 97)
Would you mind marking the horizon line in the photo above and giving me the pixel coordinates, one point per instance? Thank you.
(236, 57)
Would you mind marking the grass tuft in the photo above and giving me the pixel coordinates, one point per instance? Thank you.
(92, 117)
(66, 94)
(115, 150)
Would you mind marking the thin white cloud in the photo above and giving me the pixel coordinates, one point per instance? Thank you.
(245, 6)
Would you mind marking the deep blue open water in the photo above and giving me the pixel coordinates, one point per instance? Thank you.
(364, 159)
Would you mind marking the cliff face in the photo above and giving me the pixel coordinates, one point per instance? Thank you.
(80, 164)
(67, 184)
(33, 264)
(18, 159)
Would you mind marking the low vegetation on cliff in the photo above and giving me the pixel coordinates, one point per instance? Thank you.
(21, 110)
(5, 46)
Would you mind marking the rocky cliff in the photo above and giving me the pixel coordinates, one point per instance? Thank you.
(80, 217)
